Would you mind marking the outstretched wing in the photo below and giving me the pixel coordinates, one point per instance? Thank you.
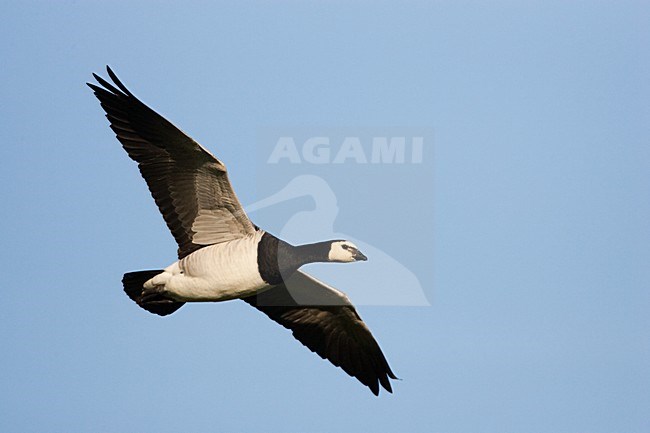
(190, 186)
(324, 320)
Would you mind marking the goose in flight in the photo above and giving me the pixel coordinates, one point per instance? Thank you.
(222, 255)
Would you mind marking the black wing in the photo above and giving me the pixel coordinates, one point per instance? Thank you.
(190, 186)
(324, 320)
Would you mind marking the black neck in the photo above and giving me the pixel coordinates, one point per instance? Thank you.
(278, 259)
(311, 253)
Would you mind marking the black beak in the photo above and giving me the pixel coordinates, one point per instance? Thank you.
(359, 256)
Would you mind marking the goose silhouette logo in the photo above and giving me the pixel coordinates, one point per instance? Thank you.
(382, 280)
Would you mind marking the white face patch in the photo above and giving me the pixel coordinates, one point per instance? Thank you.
(343, 251)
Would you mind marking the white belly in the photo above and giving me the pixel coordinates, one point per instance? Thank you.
(214, 273)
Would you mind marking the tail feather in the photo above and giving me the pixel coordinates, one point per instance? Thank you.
(133, 286)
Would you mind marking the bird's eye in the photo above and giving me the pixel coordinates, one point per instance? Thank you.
(345, 247)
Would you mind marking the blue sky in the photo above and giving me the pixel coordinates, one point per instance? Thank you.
(527, 225)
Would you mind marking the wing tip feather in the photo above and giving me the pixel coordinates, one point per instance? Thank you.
(117, 81)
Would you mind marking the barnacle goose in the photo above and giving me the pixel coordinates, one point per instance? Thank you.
(222, 255)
